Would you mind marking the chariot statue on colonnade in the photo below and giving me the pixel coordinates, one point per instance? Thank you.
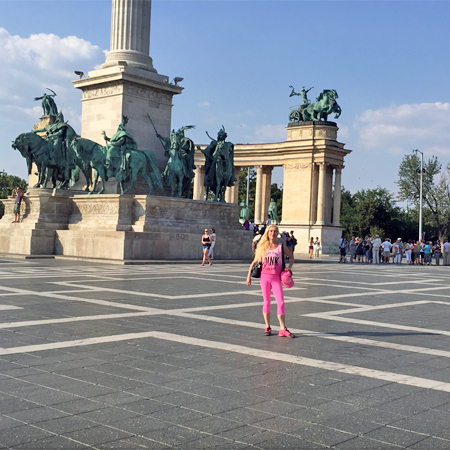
(325, 104)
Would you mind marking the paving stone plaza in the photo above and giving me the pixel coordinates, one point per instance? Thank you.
(174, 356)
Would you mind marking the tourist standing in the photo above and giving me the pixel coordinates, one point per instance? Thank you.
(17, 193)
(408, 252)
(376, 244)
(446, 248)
(255, 241)
(294, 241)
(213, 243)
(360, 250)
(422, 252)
(352, 247)
(386, 246)
(343, 248)
(369, 255)
(427, 254)
(290, 241)
(311, 247)
(437, 251)
(398, 251)
(206, 242)
(316, 248)
(270, 254)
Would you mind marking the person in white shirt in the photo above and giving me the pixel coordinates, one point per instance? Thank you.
(255, 241)
(376, 244)
(398, 251)
(386, 245)
(213, 244)
(446, 252)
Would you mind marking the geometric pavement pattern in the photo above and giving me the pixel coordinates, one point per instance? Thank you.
(174, 356)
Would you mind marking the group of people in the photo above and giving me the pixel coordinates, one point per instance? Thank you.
(314, 247)
(287, 238)
(208, 243)
(374, 250)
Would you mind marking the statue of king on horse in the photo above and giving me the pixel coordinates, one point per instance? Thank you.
(180, 167)
(219, 165)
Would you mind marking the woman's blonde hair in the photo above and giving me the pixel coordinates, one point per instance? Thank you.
(263, 243)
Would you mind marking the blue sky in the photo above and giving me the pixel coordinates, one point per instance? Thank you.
(387, 60)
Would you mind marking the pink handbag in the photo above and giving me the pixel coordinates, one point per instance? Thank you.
(286, 279)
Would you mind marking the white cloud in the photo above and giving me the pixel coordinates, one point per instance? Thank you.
(203, 104)
(29, 66)
(398, 129)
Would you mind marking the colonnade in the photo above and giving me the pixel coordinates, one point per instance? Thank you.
(324, 208)
(324, 189)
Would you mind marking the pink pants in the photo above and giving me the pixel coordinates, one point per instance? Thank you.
(272, 283)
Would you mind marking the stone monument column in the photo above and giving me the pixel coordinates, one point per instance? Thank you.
(266, 191)
(127, 84)
(232, 192)
(321, 200)
(337, 196)
(130, 34)
(199, 192)
(258, 194)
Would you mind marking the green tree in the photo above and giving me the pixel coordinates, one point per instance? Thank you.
(373, 211)
(243, 189)
(275, 192)
(7, 184)
(436, 191)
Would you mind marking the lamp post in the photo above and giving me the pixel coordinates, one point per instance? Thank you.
(248, 185)
(421, 192)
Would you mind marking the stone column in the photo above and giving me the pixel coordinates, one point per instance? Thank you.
(321, 195)
(235, 189)
(337, 196)
(128, 85)
(232, 192)
(228, 195)
(130, 34)
(258, 194)
(328, 194)
(198, 182)
(266, 191)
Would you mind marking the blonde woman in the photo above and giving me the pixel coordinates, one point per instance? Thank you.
(270, 253)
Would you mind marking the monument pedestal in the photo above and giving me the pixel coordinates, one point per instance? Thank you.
(120, 227)
(312, 185)
(123, 90)
(41, 214)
